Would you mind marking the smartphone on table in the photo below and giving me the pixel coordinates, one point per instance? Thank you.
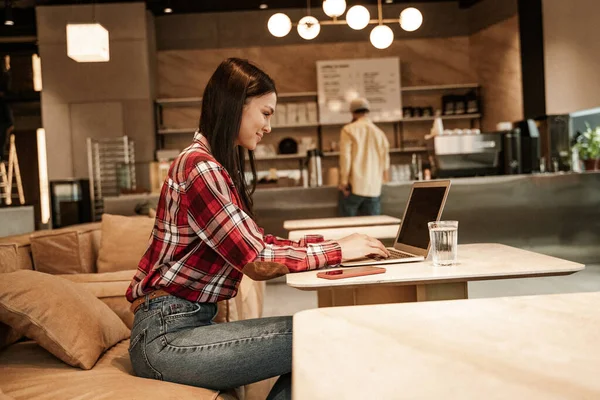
(350, 272)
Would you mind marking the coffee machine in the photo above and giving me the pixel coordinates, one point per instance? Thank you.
(521, 150)
(454, 155)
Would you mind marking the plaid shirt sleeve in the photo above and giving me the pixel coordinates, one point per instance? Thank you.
(305, 241)
(215, 216)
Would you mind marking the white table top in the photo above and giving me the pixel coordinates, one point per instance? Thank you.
(475, 262)
(295, 224)
(376, 231)
(534, 347)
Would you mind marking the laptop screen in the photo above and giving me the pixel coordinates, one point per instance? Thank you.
(423, 207)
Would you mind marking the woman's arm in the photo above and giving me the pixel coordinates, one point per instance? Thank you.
(307, 239)
(230, 232)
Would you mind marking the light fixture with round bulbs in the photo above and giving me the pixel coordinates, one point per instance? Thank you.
(334, 8)
(168, 10)
(382, 36)
(279, 25)
(411, 19)
(358, 17)
(263, 6)
(309, 27)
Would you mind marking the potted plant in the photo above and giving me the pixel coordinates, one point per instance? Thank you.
(587, 145)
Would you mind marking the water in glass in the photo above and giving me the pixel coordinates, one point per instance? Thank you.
(444, 242)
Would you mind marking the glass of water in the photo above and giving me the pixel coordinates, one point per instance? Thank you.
(444, 242)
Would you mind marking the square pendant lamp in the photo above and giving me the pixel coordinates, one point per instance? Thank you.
(87, 43)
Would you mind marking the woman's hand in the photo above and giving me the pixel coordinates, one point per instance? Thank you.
(359, 246)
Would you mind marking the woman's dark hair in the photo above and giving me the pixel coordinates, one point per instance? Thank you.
(231, 86)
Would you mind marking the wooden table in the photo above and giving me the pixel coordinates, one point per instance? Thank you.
(376, 231)
(535, 347)
(421, 281)
(318, 223)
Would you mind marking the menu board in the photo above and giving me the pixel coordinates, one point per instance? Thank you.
(376, 79)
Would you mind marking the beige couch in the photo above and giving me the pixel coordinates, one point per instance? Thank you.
(82, 255)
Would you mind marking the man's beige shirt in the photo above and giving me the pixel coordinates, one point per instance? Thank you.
(364, 156)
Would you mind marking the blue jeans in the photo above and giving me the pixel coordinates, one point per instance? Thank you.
(354, 205)
(175, 340)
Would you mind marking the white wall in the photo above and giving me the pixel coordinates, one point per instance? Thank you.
(571, 55)
(81, 100)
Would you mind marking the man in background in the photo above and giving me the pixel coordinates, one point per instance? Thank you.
(364, 163)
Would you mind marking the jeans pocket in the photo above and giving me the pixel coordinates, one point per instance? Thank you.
(180, 309)
(139, 358)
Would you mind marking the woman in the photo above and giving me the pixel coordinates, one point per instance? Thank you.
(205, 239)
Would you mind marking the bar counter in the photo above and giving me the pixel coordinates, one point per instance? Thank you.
(554, 214)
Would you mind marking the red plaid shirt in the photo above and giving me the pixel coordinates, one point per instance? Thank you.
(202, 238)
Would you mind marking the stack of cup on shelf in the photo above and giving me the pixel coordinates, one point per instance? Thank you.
(295, 114)
(400, 173)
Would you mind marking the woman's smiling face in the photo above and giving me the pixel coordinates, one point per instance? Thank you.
(256, 120)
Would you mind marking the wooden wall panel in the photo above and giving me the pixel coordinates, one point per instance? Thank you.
(184, 73)
(496, 60)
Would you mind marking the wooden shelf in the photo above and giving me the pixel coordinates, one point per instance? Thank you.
(439, 87)
(337, 153)
(297, 94)
(190, 101)
(171, 131)
(282, 157)
(178, 102)
(444, 117)
(392, 151)
(295, 126)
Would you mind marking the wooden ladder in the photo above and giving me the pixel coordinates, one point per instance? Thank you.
(6, 178)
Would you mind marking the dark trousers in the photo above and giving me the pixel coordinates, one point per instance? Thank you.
(354, 205)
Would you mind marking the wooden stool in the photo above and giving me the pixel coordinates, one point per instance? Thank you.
(6, 178)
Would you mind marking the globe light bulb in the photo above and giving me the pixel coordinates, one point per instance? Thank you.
(279, 25)
(308, 28)
(334, 8)
(411, 19)
(358, 17)
(382, 37)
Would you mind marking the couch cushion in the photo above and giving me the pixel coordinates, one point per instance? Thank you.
(15, 253)
(62, 317)
(110, 287)
(4, 396)
(70, 250)
(124, 242)
(29, 372)
(122, 307)
(107, 284)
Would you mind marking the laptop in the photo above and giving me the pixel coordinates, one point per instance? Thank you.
(425, 203)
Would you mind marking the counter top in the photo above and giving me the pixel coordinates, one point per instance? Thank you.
(455, 181)
(534, 347)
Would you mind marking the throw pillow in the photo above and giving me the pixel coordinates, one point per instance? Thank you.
(15, 253)
(70, 250)
(60, 316)
(124, 242)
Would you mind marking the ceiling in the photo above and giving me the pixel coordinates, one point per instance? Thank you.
(24, 10)
(200, 6)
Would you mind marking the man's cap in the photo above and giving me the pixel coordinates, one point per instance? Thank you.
(359, 104)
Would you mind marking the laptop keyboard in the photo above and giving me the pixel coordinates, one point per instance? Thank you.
(394, 255)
